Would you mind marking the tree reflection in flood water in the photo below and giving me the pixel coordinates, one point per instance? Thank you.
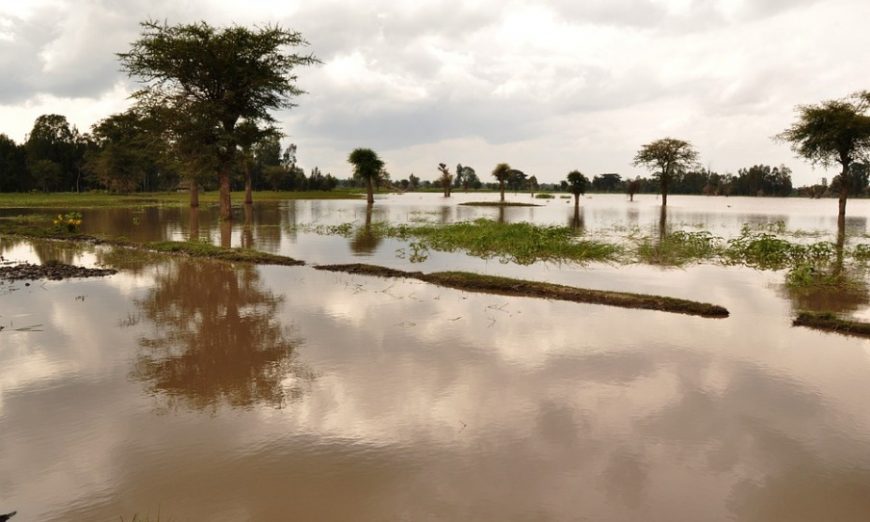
(216, 339)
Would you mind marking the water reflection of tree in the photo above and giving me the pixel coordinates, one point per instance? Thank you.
(365, 240)
(847, 292)
(216, 339)
(577, 220)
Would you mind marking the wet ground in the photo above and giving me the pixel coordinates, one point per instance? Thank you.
(208, 391)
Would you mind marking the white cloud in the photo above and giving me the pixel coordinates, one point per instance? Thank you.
(557, 85)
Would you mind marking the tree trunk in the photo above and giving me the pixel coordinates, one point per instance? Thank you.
(226, 230)
(226, 209)
(844, 192)
(194, 194)
(664, 192)
(249, 195)
(370, 192)
(501, 189)
(194, 224)
(576, 203)
(248, 231)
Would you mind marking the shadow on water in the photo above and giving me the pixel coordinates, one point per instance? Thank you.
(215, 339)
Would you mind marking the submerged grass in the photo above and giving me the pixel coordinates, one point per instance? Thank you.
(522, 288)
(678, 248)
(521, 243)
(832, 323)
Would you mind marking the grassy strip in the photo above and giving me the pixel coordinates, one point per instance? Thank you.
(200, 249)
(831, 323)
(518, 287)
(100, 199)
(521, 243)
(497, 204)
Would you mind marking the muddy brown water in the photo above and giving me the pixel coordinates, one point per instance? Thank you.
(208, 391)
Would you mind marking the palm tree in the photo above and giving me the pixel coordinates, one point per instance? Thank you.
(577, 185)
(501, 173)
(368, 166)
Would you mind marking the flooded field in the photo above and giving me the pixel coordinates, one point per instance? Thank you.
(203, 390)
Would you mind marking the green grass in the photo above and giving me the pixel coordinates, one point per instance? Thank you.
(472, 282)
(201, 249)
(497, 204)
(521, 243)
(101, 199)
(678, 248)
(544, 195)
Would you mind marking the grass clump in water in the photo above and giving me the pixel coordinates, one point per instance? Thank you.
(521, 243)
(544, 195)
(678, 248)
(766, 251)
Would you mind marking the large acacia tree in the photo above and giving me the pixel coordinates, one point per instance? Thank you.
(834, 131)
(218, 77)
(666, 157)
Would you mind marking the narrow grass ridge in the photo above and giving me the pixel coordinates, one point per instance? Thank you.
(522, 288)
(200, 249)
(498, 204)
(830, 322)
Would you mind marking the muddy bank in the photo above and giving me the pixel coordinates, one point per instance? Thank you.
(52, 271)
(521, 288)
(829, 322)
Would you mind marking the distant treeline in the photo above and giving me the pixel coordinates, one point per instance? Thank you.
(757, 180)
(121, 154)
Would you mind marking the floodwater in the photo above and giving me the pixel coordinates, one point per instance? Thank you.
(208, 391)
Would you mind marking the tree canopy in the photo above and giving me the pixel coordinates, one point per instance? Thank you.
(214, 78)
(368, 166)
(834, 131)
(665, 157)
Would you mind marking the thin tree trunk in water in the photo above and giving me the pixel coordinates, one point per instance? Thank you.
(664, 193)
(226, 210)
(370, 198)
(841, 243)
(194, 194)
(226, 227)
(576, 203)
(844, 193)
(248, 231)
(194, 224)
(249, 194)
(501, 189)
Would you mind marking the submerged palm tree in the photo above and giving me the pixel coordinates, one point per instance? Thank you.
(577, 185)
(368, 166)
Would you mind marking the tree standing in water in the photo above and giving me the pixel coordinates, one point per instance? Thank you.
(368, 167)
(667, 156)
(446, 178)
(632, 187)
(577, 183)
(219, 76)
(834, 131)
(501, 173)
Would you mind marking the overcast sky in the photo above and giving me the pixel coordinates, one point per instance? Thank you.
(545, 86)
